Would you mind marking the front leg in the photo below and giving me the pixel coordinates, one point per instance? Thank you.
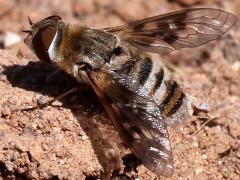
(82, 88)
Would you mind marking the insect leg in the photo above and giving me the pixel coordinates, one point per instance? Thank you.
(70, 91)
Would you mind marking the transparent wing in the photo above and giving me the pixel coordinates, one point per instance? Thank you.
(181, 29)
(135, 118)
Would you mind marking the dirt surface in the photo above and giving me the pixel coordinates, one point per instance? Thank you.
(74, 139)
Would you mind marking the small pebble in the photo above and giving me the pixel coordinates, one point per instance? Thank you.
(204, 106)
(5, 111)
(84, 137)
(198, 171)
(41, 100)
(9, 165)
(9, 38)
(195, 145)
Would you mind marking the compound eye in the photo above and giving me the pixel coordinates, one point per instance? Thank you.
(42, 40)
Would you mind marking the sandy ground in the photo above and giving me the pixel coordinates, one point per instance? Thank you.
(74, 139)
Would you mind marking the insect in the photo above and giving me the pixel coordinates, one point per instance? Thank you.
(138, 93)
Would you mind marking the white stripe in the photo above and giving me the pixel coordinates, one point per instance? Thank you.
(162, 89)
(52, 48)
(148, 85)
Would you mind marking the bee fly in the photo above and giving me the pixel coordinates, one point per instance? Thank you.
(137, 92)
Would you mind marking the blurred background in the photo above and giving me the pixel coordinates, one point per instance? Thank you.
(97, 13)
(211, 73)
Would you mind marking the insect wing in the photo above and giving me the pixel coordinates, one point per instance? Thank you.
(181, 29)
(134, 118)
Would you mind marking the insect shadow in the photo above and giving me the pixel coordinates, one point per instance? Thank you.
(46, 80)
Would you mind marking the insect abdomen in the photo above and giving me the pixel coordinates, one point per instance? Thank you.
(156, 81)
